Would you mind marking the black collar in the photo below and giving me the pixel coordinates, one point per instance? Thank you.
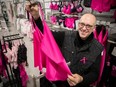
(79, 42)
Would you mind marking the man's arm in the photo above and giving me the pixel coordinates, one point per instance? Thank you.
(93, 75)
(87, 79)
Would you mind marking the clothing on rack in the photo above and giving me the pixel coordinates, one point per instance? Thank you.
(108, 77)
(15, 53)
(101, 5)
(101, 34)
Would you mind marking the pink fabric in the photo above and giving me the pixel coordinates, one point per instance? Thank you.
(54, 6)
(101, 5)
(23, 75)
(51, 5)
(48, 55)
(2, 66)
(68, 10)
(69, 22)
(64, 9)
(12, 54)
(53, 19)
(102, 39)
(104, 43)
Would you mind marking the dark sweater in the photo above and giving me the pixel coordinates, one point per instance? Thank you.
(39, 24)
(75, 49)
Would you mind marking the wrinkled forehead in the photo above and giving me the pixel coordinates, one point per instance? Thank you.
(88, 20)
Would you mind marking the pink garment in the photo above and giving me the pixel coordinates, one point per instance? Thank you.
(103, 40)
(48, 55)
(2, 66)
(101, 5)
(23, 75)
(64, 9)
(56, 6)
(12, 54)
(51, 5)
(68, 10)
(8, 54)
(70, 22)
(53, 19)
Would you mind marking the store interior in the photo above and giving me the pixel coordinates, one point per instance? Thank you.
(15, 27)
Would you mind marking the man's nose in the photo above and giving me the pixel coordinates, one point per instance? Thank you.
(84, 28)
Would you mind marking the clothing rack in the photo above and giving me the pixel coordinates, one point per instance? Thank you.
(9, 38)
(101, 22)
(14, 78)
(4, 62)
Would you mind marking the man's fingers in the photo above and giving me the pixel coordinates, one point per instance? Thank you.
(71, 78)
(71, 83)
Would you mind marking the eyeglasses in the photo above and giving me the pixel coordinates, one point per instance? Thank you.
(86, 25)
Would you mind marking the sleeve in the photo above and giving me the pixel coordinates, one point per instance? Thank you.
(93, 73)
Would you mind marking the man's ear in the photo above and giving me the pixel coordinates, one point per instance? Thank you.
(94, 28)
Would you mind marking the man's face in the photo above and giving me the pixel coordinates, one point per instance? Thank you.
(86, 26)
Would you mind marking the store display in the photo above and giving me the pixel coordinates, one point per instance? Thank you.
(61, 15)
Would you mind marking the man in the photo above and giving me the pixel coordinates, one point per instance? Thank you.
(82, 50)
(84, 53)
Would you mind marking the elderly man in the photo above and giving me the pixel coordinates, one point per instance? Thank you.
(85, 54)
(81, 49)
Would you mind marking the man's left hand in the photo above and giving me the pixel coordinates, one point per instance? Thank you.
(74, 79)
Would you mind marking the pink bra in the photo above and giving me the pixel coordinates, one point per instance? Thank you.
(54, 6)
(67, 10)
(53, 19)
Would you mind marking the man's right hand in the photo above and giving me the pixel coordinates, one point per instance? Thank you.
(27, 6)
(33, 9)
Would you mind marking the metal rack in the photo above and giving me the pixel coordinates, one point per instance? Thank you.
(14, 79)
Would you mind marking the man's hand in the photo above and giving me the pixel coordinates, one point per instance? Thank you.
(74, 79)
(27, 6)
(33, 9)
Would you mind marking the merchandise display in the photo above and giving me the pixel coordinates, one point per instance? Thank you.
(41, 44)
